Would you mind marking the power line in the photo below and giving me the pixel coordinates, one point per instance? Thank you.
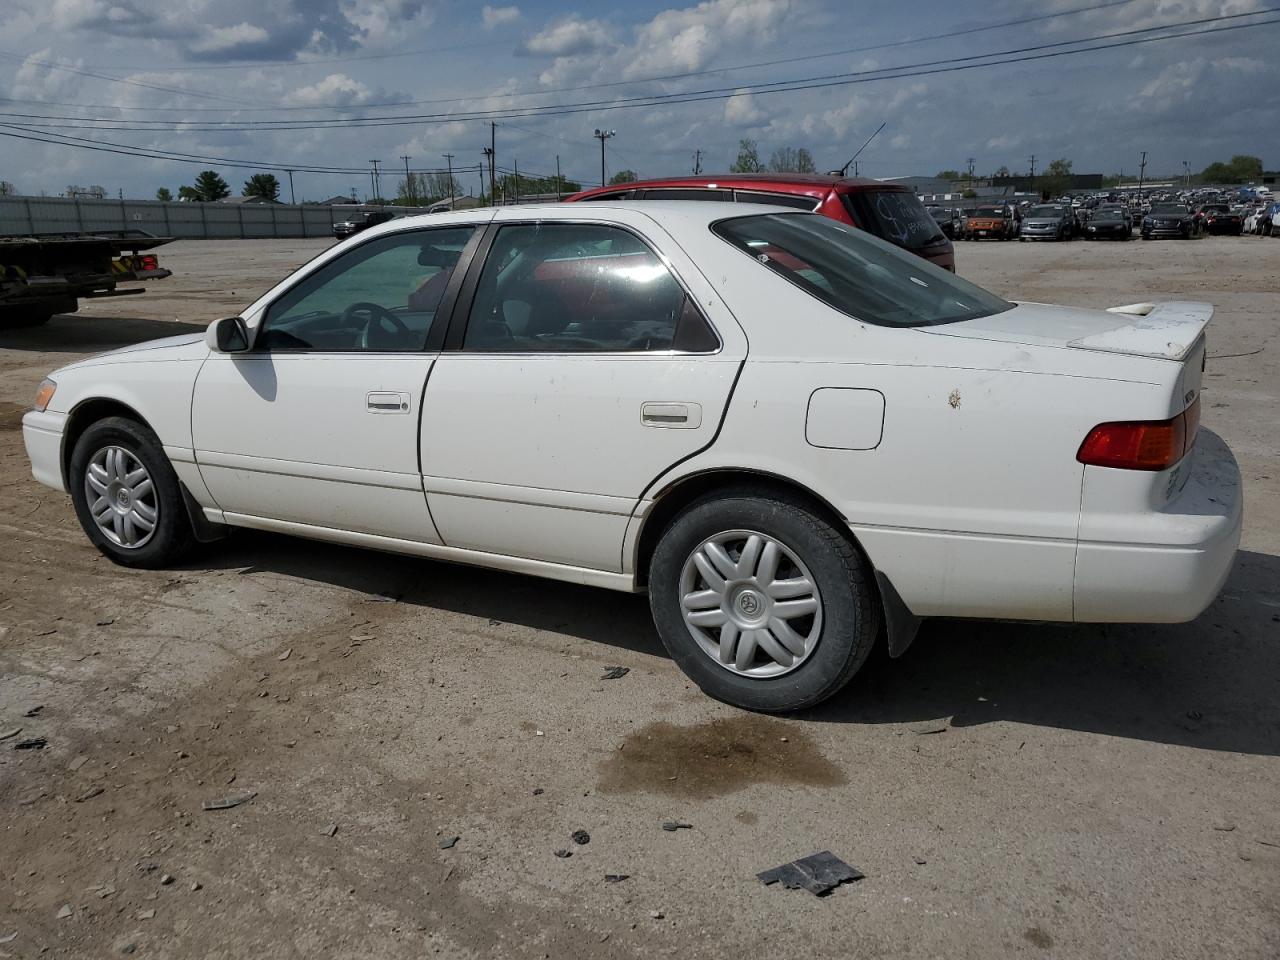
(905, 71)
(634, 81)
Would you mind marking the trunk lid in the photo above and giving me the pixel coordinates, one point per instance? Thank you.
(1163, 331)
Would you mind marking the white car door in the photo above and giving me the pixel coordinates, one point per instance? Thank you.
(317, 423)
(578, 368)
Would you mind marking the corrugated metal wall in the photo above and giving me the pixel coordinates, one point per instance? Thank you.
(21, 215)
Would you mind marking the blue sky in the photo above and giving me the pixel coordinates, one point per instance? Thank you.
(197, 65)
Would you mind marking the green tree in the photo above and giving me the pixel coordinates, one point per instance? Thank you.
(188, 193)
(1238, 169)
(1001, 172)
(949, 175)
(7, 189)
(263, 185)
(792, 160)
(624, 176)
(748, 158)
(208, 187)
(164, 194)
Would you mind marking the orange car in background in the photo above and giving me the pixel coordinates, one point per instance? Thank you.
(995, 223)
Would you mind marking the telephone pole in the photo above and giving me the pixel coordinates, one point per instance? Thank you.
(697, 162)
(1186, 175)
(1142, 169)
(409, 191)
(493, 152)
(488, 152)
(516, 167)
(375, 181)
(291, 200)
(602, 136)
(970, 163)
(448, 158)
(559, 182)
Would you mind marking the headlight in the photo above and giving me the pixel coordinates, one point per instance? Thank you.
(44, 393)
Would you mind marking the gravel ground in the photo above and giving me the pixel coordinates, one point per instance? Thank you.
(1008, 789)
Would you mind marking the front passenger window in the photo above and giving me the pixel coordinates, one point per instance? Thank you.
(381, 296)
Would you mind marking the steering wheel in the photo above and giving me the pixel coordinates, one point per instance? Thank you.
(377, 314)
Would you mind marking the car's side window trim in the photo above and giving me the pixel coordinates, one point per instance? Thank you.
(466, 299)
(446, 301)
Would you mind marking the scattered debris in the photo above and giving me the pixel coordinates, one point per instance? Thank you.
(65, 912)
(580, 837)
(34, 711)
(819, 873)
(1226, 827)
(31, 743)
(1194, 715)
(930, 726)
(129, 948)
(77, 763)
(616, 673)
(538, 791)
(165, 879)
(538, 733)
(89, 794)
(146, 914)
(103, 890)
(330, 830)
(564, 854)
(9, 937)
(107, 622)
(495, 622)
(8, 734)
(196, 885)
(615, 877)
(227, 802)
(919, 861)
(448, 842)
(285, 654)
(656, 914)
(671, 826)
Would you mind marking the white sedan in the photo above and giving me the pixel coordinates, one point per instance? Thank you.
(795, 437)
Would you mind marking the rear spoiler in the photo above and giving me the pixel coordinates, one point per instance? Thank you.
(1164, 331)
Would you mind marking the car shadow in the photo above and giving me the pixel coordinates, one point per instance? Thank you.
(75, 333)
(1213, 683)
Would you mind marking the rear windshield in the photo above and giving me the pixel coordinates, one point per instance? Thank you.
(857, 274)
(1174, 208)
(1047, 212)
(989, 212)
(896, 216)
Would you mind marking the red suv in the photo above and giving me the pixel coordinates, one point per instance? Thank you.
(885, 210)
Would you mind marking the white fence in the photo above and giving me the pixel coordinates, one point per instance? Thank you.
(21, 215)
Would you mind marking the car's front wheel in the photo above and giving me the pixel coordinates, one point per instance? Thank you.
(126, 495)
(762, 602)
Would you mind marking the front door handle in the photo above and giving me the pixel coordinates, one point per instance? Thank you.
(387, 402)
(681, 416)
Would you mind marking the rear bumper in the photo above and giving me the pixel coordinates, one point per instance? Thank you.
(42, 435)
(1187, 552)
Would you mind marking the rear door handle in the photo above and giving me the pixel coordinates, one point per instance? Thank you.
(680, 416)
(387, 402)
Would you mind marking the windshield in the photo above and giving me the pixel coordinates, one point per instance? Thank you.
(1049, 213)
(989, 212)
(1167, 208)
(1108, 215)
(858, 274)
(895, 215)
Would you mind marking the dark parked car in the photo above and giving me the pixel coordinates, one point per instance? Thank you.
(1048, 221)
(361, 221)
(950, 219)
(893, 213)
(1118, 208)
(1217, 218)
(1109, 223)
(1169, 220)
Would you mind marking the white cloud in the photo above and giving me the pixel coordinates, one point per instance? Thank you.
(336, 88)
(741, 109)
(218, 39)
(498, 16)
(570, 37)
(688, 39)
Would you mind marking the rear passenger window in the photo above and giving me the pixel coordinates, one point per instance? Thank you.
(777, 199)
(580, 288)
(689, 193)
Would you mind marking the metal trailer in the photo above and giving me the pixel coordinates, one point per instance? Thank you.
(46, 273)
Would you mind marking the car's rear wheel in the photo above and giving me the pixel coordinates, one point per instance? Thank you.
(762, 602)
(126, 495)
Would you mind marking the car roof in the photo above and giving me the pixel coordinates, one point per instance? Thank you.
(809, 184)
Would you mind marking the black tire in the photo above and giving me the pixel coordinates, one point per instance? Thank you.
(172, 536)
(849, 602)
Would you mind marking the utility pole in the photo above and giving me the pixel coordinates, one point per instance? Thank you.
(410, 192)
(291, 199)
(516, 167)
(1186, 175)
(1142, 169)
(559, 182)
(374, 181)
(493, 154)
(697, 162)
(493, 191)
(602, 136)
(448, 158)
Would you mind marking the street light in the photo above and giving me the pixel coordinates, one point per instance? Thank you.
(602, 136)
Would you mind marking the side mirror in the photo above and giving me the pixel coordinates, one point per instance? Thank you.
(228, 335)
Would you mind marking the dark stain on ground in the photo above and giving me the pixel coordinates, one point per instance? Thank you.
(1038, 938)
(11, 416)
(716, 758)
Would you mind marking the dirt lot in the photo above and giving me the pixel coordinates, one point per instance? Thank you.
(1009, 790)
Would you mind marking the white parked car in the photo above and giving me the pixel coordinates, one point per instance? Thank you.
(793, 435)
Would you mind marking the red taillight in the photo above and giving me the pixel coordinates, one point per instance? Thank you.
(150, 262)
(1141, 444)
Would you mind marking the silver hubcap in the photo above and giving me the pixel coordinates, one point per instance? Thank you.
(750, 603)
(121, 497)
